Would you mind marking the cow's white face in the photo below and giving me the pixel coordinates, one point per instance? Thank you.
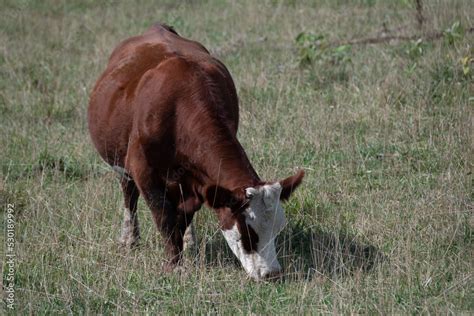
(265, 216)
(250, 222)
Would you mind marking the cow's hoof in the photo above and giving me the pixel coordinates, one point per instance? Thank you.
(179, 269)
(129, 242)
(173, 268)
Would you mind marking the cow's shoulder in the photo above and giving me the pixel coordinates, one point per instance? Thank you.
(139, 53)
(168, 36)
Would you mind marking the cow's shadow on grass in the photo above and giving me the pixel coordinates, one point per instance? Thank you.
(306, 252)
(310, 251)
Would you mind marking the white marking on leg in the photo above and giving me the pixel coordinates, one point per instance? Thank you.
(189, 238)
(130, 231)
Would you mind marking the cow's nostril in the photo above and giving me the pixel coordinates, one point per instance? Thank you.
(274, 275)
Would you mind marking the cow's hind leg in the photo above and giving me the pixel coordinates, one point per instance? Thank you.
(130, 229)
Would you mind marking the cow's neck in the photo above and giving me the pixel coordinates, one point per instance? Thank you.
(225, 163)
(233, 169)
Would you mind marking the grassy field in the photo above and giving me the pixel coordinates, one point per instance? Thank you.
(384, 220)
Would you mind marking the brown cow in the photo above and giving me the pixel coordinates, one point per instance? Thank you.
(164, 114)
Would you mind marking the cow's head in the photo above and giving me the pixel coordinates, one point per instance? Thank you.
(251, 220)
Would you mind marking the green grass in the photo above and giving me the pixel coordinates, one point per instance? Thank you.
(383, 222)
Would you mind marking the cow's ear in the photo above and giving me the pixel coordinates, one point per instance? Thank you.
(290, 184)
(217, 197)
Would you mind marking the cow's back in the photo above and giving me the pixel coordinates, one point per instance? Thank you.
(115, 100)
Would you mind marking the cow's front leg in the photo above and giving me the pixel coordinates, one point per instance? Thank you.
(166, 220)
(164, 213)
(149, 169)
(172, 222)
(130, 234)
